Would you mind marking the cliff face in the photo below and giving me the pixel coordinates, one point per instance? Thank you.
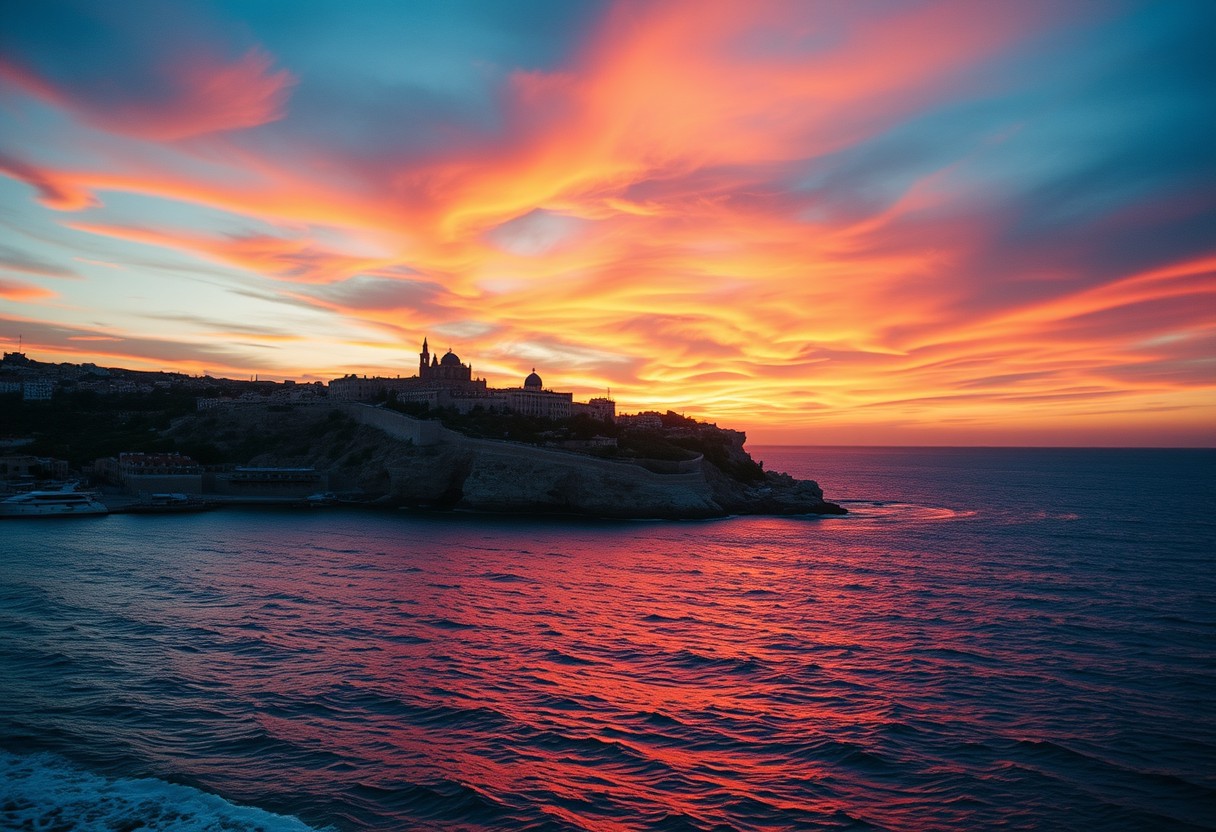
(487, 475)
(481, 477)
(738, 490)
(492, 476)
(775, 494)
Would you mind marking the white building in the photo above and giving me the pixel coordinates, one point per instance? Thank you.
(39, 390)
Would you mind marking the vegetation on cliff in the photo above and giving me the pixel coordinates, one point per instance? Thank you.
(678, 439)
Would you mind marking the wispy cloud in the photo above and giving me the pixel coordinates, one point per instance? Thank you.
(55, 190)
(809, 219)
(22, 292)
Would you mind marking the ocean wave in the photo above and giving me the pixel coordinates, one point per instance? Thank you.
(504, 577)
(46, 792)
(691, 660)
(886, 510)
(445, 800)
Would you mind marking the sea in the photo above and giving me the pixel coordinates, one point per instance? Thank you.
(992, 638)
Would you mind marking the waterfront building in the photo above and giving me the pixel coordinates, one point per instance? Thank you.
(163, 472)
(270, 482)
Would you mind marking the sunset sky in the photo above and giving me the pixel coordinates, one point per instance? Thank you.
(821, 222)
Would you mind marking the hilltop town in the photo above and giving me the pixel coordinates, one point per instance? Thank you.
(441, 438)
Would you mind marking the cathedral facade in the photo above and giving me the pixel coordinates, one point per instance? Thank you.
(447, 382)
(448, 368)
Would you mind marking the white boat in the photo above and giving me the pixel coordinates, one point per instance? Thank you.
(325, 498)
(51, 504)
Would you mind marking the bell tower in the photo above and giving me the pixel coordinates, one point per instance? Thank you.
(424, 360)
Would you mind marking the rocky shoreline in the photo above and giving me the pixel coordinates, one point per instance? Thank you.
(510, 480)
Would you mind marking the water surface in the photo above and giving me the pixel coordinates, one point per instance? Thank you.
(991, 637)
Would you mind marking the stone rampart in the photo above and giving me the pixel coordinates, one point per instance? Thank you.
(428, 432)
(396, 425)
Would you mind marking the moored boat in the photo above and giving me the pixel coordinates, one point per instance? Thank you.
(52, 504)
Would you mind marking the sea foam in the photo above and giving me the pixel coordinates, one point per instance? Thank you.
(47, 793)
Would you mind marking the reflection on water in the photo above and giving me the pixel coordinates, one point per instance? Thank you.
(963, 662)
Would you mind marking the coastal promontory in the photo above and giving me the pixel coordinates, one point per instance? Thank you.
(679, 470)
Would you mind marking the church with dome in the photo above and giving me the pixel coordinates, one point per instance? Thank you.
(445, 381)
(448, 368)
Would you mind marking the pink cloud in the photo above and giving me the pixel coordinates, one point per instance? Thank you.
(294, 260)
(198, 93)
(55, 190)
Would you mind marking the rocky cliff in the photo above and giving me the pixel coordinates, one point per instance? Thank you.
(487, 475)
(481, 477)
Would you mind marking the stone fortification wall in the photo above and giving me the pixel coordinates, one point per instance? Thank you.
(424, 432)
(397, 425)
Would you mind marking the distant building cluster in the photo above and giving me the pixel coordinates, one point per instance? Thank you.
(447, 382)
(648, 420)
(443, 381)
(266, 392)
(37, 381)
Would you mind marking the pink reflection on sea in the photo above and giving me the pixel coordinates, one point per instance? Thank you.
(946, 663)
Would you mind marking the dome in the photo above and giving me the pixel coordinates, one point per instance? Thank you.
(450, 360)
(533, 380)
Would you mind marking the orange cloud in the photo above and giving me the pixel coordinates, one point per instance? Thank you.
(648, 218)
(669, 89)
(55, 189)
(23, 292)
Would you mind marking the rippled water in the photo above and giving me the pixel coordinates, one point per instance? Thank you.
(991, 638)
